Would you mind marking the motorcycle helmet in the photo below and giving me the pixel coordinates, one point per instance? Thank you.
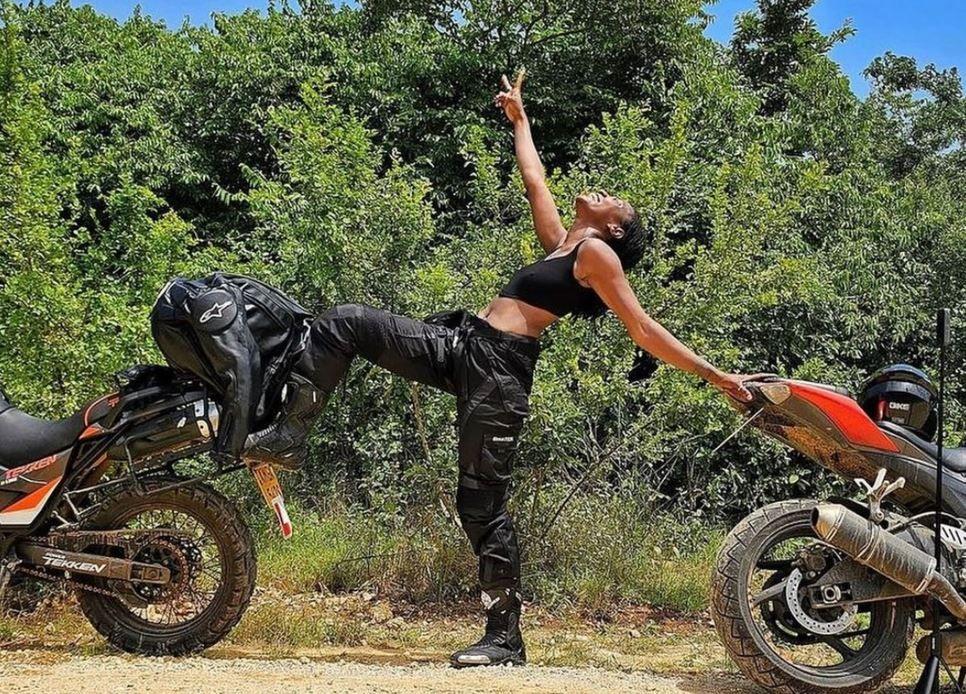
(903, 395)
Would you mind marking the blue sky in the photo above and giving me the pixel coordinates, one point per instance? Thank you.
(932, 31)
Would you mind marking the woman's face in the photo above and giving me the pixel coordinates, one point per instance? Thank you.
(602, 211)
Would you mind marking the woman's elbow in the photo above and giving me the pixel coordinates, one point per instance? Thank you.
(640, 333)
(533, 177)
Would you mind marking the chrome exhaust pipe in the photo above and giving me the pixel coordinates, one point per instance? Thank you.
(872, 546)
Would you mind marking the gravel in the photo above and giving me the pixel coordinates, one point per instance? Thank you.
(43, 671)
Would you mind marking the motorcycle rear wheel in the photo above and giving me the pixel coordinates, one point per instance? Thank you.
(744, 552)
(216, 566)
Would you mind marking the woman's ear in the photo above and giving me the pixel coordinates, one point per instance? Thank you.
(616, 231)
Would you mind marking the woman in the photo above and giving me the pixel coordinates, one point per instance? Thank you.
(487, 362)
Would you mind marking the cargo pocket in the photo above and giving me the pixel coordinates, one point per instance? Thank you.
(500, 564)
(497, 454)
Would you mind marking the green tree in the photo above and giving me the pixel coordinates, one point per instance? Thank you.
(353, 154)
(773, 43)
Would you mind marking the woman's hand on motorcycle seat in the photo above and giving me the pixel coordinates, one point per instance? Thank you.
(733, 386)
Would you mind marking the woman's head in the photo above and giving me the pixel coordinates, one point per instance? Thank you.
(617, 222)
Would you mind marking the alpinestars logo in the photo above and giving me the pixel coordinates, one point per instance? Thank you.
(59, 561)
(216, 311)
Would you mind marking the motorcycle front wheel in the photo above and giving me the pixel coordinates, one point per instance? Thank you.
(776, 637)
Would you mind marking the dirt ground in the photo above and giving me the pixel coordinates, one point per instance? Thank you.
(98, 674)
(332, 670)
(364, 644)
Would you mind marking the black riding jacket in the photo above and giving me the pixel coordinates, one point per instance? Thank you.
(240, 336)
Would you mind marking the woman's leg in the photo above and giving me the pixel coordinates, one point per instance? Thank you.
(492, 383)
(490, 420)
(409, 348)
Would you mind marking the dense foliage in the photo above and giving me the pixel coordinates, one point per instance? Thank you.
(354, 154)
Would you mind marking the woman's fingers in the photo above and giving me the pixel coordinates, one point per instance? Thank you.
(738, 392)
(509, 99)
(518, 84)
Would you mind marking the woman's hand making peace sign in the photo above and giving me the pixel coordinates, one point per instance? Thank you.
(511, 99)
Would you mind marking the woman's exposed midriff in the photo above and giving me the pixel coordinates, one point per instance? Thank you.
(515, 316)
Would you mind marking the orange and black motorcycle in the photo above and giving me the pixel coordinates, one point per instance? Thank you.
(116, 502)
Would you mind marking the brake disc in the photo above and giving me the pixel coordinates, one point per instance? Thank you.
(816, 626)
(170, 555)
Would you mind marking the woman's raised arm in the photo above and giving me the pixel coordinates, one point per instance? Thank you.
(546, 219)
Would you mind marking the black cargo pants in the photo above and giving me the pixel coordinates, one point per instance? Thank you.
(490, 372)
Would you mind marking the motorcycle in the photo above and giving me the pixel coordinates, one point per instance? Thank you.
(116, 503)
(823, 596)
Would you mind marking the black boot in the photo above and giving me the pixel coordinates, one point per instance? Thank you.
(502, 643)
(282, 443)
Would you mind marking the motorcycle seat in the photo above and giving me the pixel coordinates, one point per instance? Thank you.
(24, 439)
(953, 458)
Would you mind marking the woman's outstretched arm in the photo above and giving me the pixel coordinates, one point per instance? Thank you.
(546, 219)
(600, 267)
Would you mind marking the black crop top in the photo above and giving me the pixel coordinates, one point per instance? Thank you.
(550, 284)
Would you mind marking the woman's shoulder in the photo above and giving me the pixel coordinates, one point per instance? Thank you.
(595, 249)
(595, 256)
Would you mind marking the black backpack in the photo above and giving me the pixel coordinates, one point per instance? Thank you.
(271, 338)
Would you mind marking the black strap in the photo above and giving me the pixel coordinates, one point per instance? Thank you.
(4, 401)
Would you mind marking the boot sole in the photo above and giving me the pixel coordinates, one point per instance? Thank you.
(515, 660)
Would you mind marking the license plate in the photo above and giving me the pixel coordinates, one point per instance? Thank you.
(271, 491)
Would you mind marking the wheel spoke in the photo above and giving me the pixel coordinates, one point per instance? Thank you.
(774, 565)
(843, 649)
(190, 599)
(851, 634)
(768, 593)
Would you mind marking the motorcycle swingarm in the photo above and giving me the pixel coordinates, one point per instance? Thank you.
(48, 557)
(850, 583)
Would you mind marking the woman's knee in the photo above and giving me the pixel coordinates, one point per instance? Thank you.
(344, 313)
(345, 325)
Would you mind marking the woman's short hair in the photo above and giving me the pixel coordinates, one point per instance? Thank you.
(630, 247)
